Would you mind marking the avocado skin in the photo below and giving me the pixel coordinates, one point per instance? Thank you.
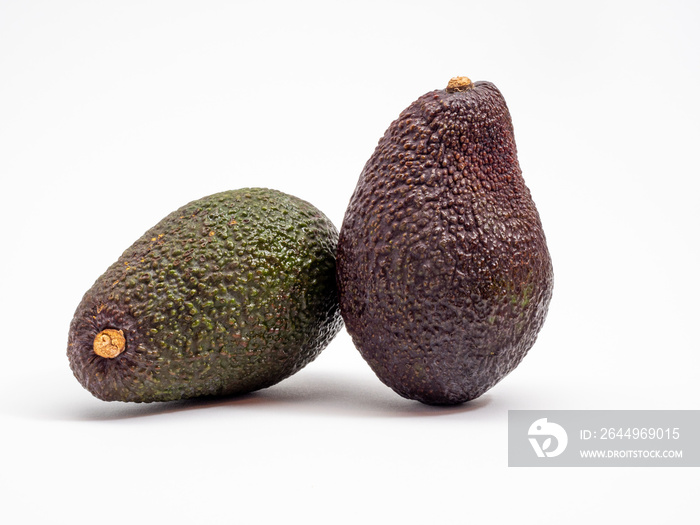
(443, 269)
(229, 294)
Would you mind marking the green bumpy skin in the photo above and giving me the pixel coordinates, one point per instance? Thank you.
(443, 270)
(229, 294)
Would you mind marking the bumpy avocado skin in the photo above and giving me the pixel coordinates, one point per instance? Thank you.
(443, 270)
(229, 294)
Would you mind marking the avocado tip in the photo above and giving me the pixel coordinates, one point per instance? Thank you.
(459, 84)
(109, 343)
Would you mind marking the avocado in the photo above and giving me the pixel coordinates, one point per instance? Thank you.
(443, 269)
(229, 294)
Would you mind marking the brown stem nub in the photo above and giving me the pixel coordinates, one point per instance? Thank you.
(109, 343)
(459, 84)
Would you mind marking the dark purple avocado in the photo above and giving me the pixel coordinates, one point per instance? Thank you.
(443, 270)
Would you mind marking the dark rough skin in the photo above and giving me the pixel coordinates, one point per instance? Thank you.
(229, 294)
(443, 270)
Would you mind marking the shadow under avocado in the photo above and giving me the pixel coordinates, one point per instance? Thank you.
(311, 394)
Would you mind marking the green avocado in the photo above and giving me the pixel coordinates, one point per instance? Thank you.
(443, 269)
(229, 294)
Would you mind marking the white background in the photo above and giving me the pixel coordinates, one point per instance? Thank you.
(113, 114)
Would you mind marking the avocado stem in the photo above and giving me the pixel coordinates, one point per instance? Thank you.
(459, 84)
(109, 343)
